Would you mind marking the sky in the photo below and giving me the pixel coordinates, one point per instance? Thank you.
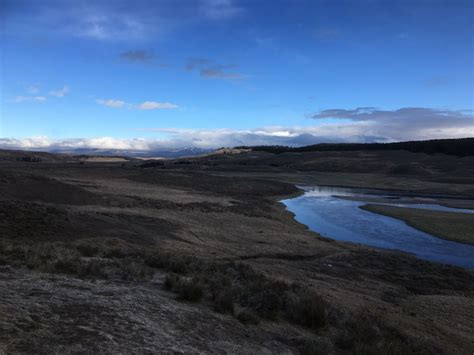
(156, 74)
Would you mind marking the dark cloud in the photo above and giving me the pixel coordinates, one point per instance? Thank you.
(137, 56)
(220, 72)
(209, 70)
(415, 115)
(404, 123)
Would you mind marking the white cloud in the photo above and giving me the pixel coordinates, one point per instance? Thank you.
(113, 143)
(33, 89)
(111, 26)
(39, 142)
(146, 105)
(18, 99)
(111, 103)
(45, 143)
(118, 20)
(152, 105)
(102, 20)
(21, 98)
(220, 9)
(60, 92)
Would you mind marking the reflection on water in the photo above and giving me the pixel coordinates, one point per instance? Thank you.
(341, 219)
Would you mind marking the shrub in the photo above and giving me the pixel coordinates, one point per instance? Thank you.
(170, 281)
(154, 260)
(189, 290)
(93, 269)
(224, 301)
(360, 332)
(177, 266)
(267, 303)
(133, 270)
(216, 282)
(365, 333)
(118, 248)
(67, 265)
(247, 316)
(87, 250)
(307, 309)
(315, 346)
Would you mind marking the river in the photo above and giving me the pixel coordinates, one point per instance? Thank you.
(342, 219)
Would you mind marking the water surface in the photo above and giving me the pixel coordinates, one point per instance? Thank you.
(341, 219)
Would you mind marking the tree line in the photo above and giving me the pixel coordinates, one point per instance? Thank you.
(460, 147)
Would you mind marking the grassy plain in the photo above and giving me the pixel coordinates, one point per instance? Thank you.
(455, 226)
(176, 258)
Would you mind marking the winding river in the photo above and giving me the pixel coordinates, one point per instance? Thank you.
(342, 219)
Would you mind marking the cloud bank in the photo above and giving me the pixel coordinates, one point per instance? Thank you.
(405, 123)
(363, 124)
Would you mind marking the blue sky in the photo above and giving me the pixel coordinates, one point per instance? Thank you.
(146, 74)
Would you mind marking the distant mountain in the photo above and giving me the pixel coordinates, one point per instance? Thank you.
(162, 153)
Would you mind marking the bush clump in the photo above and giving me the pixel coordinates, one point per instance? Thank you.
(224, 301)
(237, 289)
(186, 289)
(87, 250)
(170, 281)
(247, 316)
(189, 290)
(307, 309)
(365, 333)
(316, 346)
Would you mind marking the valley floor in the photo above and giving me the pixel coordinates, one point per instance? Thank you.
(102, 257)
